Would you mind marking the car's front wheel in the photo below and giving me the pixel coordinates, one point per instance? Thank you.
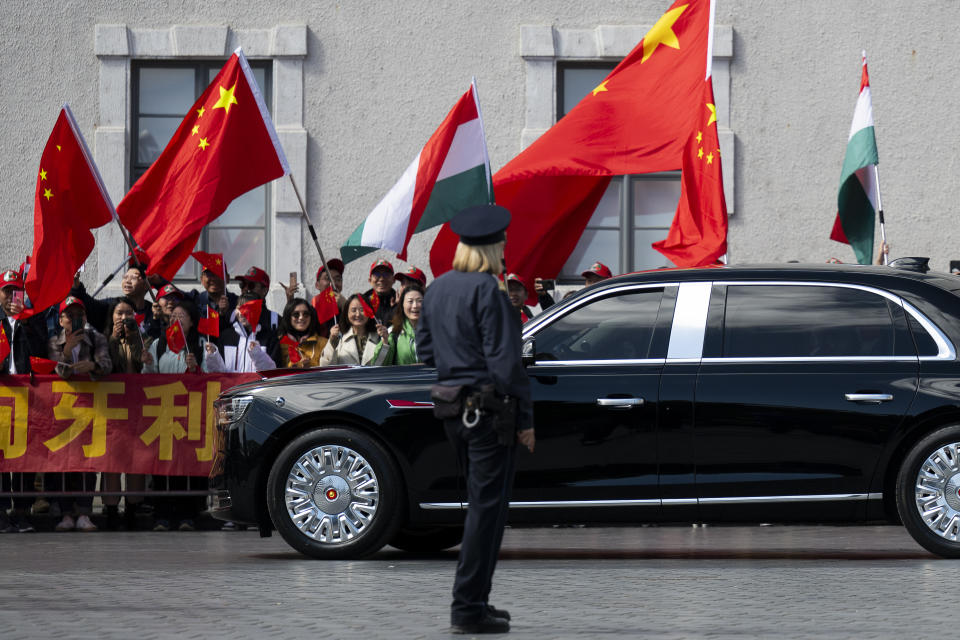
(334, 493)
(928, 492)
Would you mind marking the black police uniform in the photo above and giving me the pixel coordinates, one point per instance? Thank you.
(471, 333)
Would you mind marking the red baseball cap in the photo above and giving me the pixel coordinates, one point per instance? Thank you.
(414, 275)
(255, 274)
(333, 263)
(598, 269)
(381, 264)
(169, 290)
(11, 278)
(71, 301)
(515, 278)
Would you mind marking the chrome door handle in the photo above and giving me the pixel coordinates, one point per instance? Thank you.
(869, 398)
(619, 403)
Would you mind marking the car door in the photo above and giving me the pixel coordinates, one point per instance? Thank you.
(799, 386)
(594, 384)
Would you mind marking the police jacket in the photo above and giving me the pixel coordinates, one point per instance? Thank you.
(470, 332)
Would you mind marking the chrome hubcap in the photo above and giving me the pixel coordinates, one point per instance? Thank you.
(332, 494)
(937, 491)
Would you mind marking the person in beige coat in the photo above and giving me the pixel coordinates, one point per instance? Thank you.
(354, 340)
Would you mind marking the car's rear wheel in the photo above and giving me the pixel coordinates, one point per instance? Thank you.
(928, 492)
(334, 493)
(425, 539)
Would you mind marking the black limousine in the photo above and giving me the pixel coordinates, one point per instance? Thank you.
(780, 393)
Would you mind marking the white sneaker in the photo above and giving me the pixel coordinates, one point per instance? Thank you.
(84, 524)
(67, 524)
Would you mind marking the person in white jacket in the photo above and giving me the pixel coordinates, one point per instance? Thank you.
(240, 351)
(191, 358)
(354, 340)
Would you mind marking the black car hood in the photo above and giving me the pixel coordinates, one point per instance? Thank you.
(336, 374)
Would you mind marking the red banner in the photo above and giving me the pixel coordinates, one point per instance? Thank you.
(162, 424)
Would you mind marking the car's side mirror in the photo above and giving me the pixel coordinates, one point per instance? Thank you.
(528, 353)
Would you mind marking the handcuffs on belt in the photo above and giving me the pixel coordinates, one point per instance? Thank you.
(471, 408)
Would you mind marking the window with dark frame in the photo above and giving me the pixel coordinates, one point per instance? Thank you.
(635, 211)
(162, 93)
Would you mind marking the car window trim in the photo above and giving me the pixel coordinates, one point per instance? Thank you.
(532, 328)
(945, 348)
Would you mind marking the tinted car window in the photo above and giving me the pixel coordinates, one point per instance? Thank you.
(617, 327)
(806, 321)
(926, 346)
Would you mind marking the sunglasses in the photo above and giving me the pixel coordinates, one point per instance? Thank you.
(300, 314)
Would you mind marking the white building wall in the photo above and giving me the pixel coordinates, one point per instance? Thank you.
(377, 78)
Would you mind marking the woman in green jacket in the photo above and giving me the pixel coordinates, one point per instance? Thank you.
(404, 326)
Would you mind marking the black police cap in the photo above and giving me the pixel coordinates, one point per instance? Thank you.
(482, 224)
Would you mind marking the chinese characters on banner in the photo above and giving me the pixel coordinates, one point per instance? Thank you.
(161, 424)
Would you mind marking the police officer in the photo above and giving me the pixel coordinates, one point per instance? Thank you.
(470, 332)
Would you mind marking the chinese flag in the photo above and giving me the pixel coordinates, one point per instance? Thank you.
(42, 365)
(70, 200)
(225, 146)
(176, 341)
(251, 312)
(211, 262)
(210, 326)
(292, 349)
(367, 309)
(638, 120)
(698, 235)
(4, 345)
(325, 304)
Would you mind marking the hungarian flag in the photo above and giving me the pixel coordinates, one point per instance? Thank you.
(251, 312)
(176, 340)
(293, 351)
(225, 146)
(638, 120)
(42, 366)
(698, 235)
(859, 199)
(450, 173)
(325, 303)
(70, 200)
(210, 326)
(212, 262)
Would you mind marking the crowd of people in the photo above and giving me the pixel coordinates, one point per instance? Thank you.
(90, 338)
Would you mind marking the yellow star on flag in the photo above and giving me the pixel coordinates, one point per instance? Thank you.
(203, 144)
(200, 111)
(600, 87)
(196, 130)
(713, 114)
(226, 99)
(662, 33)
(58, 147)
(43, 174)
(700, 152)
(709, 158)
(699, 136)
(217, 261)
(47, 194)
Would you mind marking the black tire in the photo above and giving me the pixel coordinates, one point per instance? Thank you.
(351, 480)
(427, 539)
(939, 492)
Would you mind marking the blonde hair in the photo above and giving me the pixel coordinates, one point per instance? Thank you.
(485, 258)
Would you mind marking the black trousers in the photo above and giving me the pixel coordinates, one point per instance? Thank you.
(18, 482)
(488, 467)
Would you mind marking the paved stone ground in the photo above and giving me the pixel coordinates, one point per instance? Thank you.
(658, 582)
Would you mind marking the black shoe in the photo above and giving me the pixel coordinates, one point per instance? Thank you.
(498, 613)
(486, 624)
(21, 524)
